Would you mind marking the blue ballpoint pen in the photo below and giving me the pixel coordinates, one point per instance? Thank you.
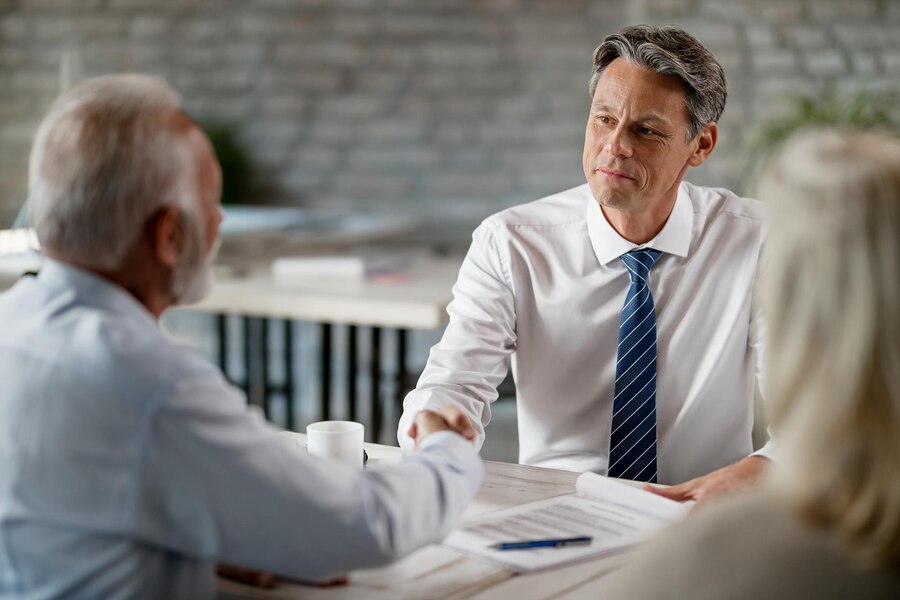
(549, 543)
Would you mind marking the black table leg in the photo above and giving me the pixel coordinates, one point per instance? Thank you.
(288, 326)
(325, 371)
(222, 335)
(402, 372)
(352, 368)
(248, 358)
(376, 409)
(264, 367)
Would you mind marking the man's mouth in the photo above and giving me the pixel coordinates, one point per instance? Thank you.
(614, 174)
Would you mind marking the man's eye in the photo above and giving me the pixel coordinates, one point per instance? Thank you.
(602, 119)
(646, 131)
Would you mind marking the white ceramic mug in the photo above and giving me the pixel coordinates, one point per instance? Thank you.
(340, 440)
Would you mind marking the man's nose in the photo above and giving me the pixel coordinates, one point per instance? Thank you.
(618, 143)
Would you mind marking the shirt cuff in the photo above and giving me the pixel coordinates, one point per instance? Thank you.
(457, 452)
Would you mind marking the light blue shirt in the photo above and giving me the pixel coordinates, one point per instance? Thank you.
(128, 465)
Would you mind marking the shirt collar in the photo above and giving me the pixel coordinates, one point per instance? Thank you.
(91, 289)
(674, 238)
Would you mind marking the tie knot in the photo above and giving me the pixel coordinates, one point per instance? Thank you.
(638, 263)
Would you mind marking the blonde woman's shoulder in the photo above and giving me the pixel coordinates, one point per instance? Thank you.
(747, 546)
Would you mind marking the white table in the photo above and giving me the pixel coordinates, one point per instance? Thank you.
(435, 572)
(414, 298)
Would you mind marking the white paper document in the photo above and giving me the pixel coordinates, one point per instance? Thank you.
(617, 516)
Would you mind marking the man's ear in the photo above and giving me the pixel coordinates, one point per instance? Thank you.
(167, 235)
(706, 141)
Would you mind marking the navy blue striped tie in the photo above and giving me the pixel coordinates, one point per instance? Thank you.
(632, 443)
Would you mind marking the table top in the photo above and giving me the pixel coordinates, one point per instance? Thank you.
(436, 572)
(415, 297)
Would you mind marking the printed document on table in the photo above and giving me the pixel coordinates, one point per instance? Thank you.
(616, 515)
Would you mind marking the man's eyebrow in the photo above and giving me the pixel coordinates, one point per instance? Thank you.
(647, 118)
(653, 119)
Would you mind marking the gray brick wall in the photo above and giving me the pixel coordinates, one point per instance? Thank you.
(449, 108)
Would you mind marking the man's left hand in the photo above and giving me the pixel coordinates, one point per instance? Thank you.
(740, 475)
(254, 577)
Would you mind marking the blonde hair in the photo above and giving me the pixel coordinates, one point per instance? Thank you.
(833, 299)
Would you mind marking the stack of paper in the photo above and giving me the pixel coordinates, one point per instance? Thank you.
(319, 267)
(617, 516)
(336, 267)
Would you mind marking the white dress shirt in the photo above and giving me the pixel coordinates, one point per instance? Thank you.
(128, 464)
(543, 285)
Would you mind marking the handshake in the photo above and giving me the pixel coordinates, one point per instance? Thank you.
(446, 419)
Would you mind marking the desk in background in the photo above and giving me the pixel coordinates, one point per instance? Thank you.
(415, 298)
(435, 572)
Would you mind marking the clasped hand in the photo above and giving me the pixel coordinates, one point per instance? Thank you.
(445, 419)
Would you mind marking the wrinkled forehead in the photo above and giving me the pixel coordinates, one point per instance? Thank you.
(649, 94)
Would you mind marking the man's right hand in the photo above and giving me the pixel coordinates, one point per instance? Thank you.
(446, 419)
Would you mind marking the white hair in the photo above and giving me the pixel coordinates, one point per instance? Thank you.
(104, 159)
(833, 296)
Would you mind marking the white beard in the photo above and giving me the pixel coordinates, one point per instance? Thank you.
(192, 276)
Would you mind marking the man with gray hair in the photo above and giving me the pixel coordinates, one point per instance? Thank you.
(128, 465)
(625, 306)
